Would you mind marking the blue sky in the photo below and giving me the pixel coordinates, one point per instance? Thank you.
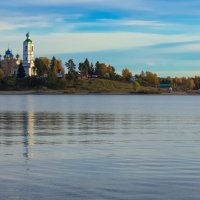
(161, 36)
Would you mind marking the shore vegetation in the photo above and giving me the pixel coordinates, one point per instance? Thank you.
(86, 77)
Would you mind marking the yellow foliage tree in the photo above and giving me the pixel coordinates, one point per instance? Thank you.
(126, 74)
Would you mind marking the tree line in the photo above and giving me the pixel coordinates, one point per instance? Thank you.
(51, 72)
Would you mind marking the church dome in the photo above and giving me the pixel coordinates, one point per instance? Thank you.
(17, 56)
(28, 38)
(8, 54)
(28, 35)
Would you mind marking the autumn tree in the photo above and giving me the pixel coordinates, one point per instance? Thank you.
(42, 66)
(190, 84)
(177, 81)
(111, 71)
(100, 69)
(126, 74)
(197, 82)
(152, 79)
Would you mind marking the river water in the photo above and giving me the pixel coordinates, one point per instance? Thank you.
(99, 147)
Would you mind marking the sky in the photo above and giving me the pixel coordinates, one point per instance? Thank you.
(162, 36)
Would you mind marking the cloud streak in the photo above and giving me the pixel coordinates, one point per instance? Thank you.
(165, 33)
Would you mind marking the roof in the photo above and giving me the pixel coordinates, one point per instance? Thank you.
(165, 85)
(8, 53)
(28, 40)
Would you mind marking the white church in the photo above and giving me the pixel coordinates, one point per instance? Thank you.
(28, 56)
(9, 63)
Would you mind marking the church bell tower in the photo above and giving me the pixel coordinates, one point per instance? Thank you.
(28, 56)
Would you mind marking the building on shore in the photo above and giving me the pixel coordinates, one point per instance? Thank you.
(28, 56)
(9, 63)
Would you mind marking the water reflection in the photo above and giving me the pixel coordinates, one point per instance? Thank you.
(32, 129)
(102, 147)
(28, 134)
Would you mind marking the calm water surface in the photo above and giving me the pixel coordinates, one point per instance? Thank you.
(99, 147)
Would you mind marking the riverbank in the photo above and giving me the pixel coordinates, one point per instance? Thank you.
(64, 92)
(94, 87)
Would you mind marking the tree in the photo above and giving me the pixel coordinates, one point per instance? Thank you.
(72, 73)
(84, 67)
(136, 86)
(152, 79)
(118, 77)
(21, 72)
(101, 69)
(97, 68)
(56, 67)
(52, 77)
(91, 70)
(177, 81)
(190, 84)
(87, 63)
(197, 82)
(111, 71)
(126, 74)
(42, 66)
(142, 74)
(1, 74)
(52, 64)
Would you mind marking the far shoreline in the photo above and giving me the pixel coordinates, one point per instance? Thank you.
(62, 92)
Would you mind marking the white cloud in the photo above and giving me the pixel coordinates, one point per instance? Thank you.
(57, 43)
(9, 26)
(130, 22)
(38, 21)
(87, 42)
(192, 48)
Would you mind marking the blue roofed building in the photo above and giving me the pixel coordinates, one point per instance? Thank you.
(10, 63)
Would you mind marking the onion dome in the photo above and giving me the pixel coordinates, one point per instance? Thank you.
(17, 56)
(28, 38)
(8, 54)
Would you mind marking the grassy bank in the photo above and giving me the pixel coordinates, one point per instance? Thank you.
(92, 86)
(102, 86)
(107, 86)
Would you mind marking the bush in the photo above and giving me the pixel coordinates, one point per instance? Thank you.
(136, 86)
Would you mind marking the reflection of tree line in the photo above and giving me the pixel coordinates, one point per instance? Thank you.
(29, 125)
(48, 124)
